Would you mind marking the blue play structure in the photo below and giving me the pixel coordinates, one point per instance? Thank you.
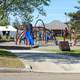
(26, 36)
(29, 37)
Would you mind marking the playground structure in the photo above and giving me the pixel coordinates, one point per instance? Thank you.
(32, 35)
(40, 33)
(43, 34)
(25, 36)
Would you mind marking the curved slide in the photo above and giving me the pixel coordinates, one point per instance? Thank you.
(29, 37)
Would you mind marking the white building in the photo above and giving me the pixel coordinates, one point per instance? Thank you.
(8, 28)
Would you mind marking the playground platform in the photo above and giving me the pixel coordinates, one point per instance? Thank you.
(13, 46)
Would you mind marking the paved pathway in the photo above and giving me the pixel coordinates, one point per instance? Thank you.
(38, 76)
(48, 62)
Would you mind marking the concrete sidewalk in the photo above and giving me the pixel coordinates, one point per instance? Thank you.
(42, 61)
(48, 62)
(12, 70)
(49, 66)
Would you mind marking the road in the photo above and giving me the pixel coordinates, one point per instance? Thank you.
(38, 76)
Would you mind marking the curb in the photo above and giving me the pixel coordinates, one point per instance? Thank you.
(26, 51)
(14, 70)
(58, 72)
(20, 70)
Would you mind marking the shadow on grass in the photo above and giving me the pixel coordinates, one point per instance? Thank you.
(4, 53)
(9, 60)
(54, 57)
(75, 53)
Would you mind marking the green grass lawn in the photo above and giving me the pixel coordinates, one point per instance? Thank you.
(71, 52)
(59, 38)
(9, 60)
(77, 51)
(54, 49)
(4, 53)
(62, 38)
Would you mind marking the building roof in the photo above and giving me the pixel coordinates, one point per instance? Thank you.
(7, 28)
(56, 25)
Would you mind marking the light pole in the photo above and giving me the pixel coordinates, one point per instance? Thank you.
(69, 29)
(65, 17)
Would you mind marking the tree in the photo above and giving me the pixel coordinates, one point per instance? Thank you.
(16, 23)
(22, 8)
(4, 22)
(75, 18)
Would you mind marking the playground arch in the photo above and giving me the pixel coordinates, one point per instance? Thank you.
(40, 20)
(43, 30)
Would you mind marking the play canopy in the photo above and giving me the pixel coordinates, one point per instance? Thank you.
(7, 28)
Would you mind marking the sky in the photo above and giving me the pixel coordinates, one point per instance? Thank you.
(57, 9)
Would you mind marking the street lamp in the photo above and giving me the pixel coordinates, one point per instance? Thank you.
(65, 17)
(66, 22)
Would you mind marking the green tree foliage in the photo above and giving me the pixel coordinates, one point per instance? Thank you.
(16, 23)
(4, 22)
(22, 8)
(75, 18)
